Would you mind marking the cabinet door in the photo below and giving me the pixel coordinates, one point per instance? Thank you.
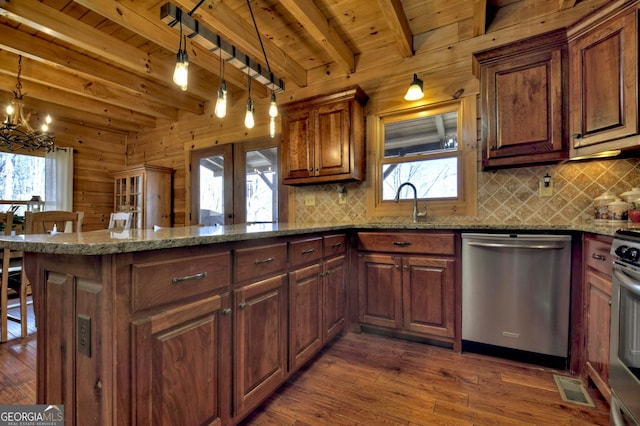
(179, 356)
(331, 140)
(598, 325)
(297, 144)
(380, 290)
(524, 109)
(305, 315)
(603, 84)
(333, 298)
(260, 341)
(428, 295)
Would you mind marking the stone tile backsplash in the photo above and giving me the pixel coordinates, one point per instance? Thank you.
(507, 196)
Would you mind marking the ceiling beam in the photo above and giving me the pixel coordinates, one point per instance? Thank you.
(68, 29)
(28, 46)
(479, 17)
(147, 24)
(566, 4)
(399, 24)
(221, 19)
(316, 24)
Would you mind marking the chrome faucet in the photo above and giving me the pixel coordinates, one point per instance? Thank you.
(416, 215)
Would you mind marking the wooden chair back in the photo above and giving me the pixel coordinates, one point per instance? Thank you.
(121, 220)
(7, 220)
(11, 264)
(43, 222)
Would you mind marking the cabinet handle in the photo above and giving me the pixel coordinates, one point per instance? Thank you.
(493, 148)
(226, 312)
(242, 306)
(267, 260)
(401, 243)
(195, 277)
(336, 245)
(598, 257)
(397, 266)
(307, 251)
(577, 136)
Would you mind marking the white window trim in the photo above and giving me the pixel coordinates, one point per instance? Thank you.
(466, 202)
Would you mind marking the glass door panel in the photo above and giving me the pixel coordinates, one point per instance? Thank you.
(261, 180)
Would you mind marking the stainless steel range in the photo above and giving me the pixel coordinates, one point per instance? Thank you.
(624, 367)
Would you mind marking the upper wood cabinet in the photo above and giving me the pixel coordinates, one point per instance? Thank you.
(603, 61)
(144, 191)
(523, 101)
(323, 138)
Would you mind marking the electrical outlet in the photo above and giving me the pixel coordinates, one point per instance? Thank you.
(546, 191)
(342, 197)
(310, 200)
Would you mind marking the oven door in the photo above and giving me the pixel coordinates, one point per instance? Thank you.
(624, 374)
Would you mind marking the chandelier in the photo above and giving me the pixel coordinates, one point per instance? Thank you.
(16, 132)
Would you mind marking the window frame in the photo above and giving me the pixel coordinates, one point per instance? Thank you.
(465, 204)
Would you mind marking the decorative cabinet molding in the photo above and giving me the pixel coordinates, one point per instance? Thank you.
(323, 138)
(603, 90)
(524, 101)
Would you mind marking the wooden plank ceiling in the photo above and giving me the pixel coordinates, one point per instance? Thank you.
(109, 64)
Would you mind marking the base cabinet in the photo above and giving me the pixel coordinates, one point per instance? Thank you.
(305, 310)
(404, 292)
(597, 308)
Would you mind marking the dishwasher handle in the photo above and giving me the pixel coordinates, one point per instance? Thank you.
(517, 246)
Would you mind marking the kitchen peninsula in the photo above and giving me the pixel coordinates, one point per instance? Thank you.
(123, 318)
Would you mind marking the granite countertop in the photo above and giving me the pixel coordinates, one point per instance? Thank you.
(110, 242)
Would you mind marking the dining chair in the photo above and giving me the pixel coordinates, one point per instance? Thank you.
(45, 222)
(120, 220)
(12, 279)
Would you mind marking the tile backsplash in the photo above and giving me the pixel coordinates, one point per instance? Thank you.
(507, 196)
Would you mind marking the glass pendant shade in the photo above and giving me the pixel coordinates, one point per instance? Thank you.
(221, 102)
(415, 89)
(249, 122)
(181, 72)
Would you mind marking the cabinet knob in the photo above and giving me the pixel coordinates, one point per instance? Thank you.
(577, 136)
(405, 267)
(242, 306)
(226, 312)
(397, 266)
(493, 148)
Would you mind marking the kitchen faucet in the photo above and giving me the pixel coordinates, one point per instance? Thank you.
(416, 215)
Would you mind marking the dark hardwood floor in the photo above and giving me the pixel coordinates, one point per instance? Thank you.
(365, 379)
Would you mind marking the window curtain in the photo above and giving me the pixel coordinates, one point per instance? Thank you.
(58, 171)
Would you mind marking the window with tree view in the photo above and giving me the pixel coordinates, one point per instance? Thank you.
(22, 176)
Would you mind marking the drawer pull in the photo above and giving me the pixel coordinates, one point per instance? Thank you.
(242, 306)
(195, 277)
(336, 245)
(598, 257)
(267, 260)
(307, 251)
(402, 243)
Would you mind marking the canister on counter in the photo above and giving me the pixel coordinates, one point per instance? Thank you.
(618, 211)
(601, 207)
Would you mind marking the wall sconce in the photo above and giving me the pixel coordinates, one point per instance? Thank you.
(415, 89)
(546, 180)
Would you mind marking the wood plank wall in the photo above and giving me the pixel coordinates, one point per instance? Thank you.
(442, 59)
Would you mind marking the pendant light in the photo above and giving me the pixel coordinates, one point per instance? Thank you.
(273, 113)
(415, 89)
(221, 101)
(249, 122)
(181, 71)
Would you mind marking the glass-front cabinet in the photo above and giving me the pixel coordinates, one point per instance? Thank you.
(144, 191)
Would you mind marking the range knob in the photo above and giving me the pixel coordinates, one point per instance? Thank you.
(633, 254)
(621, 251)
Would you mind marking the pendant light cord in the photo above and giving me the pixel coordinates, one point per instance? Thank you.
(255, 24)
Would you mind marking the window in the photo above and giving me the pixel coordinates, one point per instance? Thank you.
(434, 148)
(237, 183)
(23, 177)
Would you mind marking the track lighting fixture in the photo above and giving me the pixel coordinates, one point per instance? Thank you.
(415, 89)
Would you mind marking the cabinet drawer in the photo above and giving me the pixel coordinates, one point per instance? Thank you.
(157, 283)
(334, 244)
(597, 255)
(256, 262)
(305, 251)
(406, 242)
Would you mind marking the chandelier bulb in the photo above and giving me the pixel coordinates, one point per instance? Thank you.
(249, 122)
(9, 109)
(47, 119)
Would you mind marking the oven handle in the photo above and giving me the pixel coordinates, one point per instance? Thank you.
(616, 413)
(626, 281)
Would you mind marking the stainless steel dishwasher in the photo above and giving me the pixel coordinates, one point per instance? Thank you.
(516, 292)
